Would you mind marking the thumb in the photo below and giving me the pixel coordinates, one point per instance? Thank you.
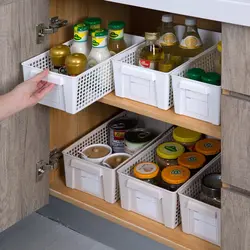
(40, 76)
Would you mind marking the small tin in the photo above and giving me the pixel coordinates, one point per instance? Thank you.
(136, 139)
(117, 130)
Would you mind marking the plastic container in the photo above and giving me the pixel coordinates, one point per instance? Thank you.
(186, 137)
(194, 98)
(74, 93)
(167, 154)
(198, 218)
(146, 85)
(114, 160)
(94, 178)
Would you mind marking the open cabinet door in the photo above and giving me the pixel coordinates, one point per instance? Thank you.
(24, 137)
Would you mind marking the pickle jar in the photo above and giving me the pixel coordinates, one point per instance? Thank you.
(208, 147)
(147, 171)
(174, 177)
(167, 154)
(186, 137)
(193, 161)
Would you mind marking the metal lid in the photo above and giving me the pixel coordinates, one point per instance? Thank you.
(211, 185)
(170, 150)
(123, 124)
(167, 18)
(184, 135)
(190, 21)
(192, 160)
(92, 21)
(208, 146)
(152, 36)
(139, 135)
(146, 170)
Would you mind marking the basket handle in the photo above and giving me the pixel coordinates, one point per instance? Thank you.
(89, 169)
(189, 85)
(52, 77)
(138, 72)
(143, 188)
(195, 206)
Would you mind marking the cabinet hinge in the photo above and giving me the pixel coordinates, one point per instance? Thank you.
(54, 25)
(42, 167)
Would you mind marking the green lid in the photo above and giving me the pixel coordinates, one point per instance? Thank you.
(195, 74)
(80, 27)
(116, 25)
(211, 78)
(99, 33)
(92, 21)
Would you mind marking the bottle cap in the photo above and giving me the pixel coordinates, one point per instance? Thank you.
(208, 146)
(92, 21)
(116, 25)
(146, 170)
(75, 64)
(190, 21)
(167, 18)
(195, 74)
(192, 160)
(151, 36)
(99, 33)
(184, 135)
(170, 150)
(211, 78)
(58, 54)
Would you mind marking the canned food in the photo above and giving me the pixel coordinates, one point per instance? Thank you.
(117, 130)
(136, 139)
(114, 160)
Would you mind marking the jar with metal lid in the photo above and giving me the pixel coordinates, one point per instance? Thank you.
(211, 190)
(174, 177)
(208, 147)
(147, 171)
(75, 64)
(186, 137)
(192, 160)
(136, 139)
(167, 154)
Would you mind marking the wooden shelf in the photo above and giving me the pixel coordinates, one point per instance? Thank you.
(174, 238)
(162, 115)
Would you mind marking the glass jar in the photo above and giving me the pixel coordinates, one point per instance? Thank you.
(167, 154)
(186, 137)
(174, 177)
(192, 160)
(147, 171)
(208, 147)
(218, 58)
(166, 64)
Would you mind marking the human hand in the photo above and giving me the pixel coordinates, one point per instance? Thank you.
(32, 91)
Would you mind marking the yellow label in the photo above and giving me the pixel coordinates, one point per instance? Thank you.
(190, 42)
(99, 42)
(168, 39)
(81, 36)
(116, 34)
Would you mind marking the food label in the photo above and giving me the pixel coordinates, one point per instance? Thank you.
(168, 39)
(171, 148)
(99, 42)
(146, 168)
(116, 34)
(81, 36)
(190, 42)
(117, 140)
(192, 159)
(176, 172)
(208, 145)
(146, 64)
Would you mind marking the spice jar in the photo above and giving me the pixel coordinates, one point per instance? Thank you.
(174, 177)
(192, 160)
(114, 160)
(208, 147)
(186, 137)
(75, 64)
(211, 190)
(167, 154)
(147, 171)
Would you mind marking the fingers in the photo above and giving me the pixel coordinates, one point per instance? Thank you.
(40, 76)
(43, 90)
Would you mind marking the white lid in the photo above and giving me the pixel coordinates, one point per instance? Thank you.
(190, 21)
(167, 18)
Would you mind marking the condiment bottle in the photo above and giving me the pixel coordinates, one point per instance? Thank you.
(116, 42)
(191, 43)
(195, 74)
(58, 55)
(167, 64)
(150, 53)
(211, 78)
(99, 51)
(80, 44)
(75, 64)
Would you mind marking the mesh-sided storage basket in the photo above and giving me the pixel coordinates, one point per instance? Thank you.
(73, 94)
(94, 178)
(146, 85)
(194, 98)
(199, 218)
(146, 199)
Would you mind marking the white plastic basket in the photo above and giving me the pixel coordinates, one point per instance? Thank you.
(73, 94)
(146, 199)
(146, 85)
(193, 98)
(199, 218)
(96, 179)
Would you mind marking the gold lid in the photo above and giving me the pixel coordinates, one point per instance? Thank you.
(76, 64)
(58, 55)
(151, 36)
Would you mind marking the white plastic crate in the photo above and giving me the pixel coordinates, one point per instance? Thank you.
(73, 94)
(94, 178)
(193, 98)
(146, 85)
(199, 218)
(146, 199)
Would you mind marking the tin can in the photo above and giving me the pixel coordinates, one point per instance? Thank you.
(136, 139)
(117, 130)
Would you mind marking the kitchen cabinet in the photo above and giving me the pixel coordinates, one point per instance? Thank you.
(25, 138)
